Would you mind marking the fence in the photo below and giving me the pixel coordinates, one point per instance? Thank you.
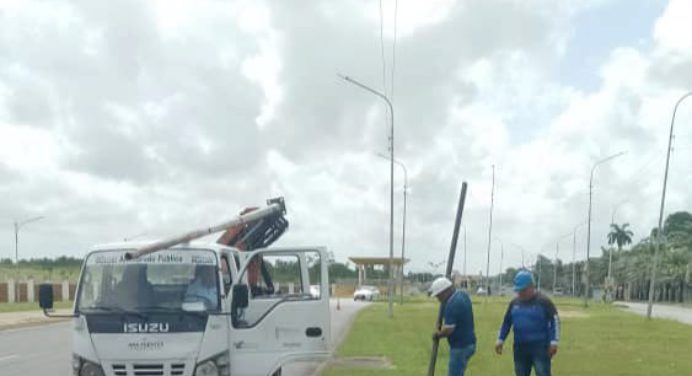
(27, 291)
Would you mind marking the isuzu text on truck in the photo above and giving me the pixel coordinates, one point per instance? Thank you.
(202, 309)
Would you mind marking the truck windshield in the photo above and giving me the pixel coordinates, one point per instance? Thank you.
(162, 281)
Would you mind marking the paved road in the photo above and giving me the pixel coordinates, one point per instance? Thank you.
(681, 314)
(46, 350)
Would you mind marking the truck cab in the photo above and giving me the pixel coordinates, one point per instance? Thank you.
(198, 309)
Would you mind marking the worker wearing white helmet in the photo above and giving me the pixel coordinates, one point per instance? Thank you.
(458, 325)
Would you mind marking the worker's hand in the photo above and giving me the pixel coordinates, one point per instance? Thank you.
(498, 348)
(552, 350)
(436, 336)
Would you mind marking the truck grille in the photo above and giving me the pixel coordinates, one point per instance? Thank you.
(149, 369)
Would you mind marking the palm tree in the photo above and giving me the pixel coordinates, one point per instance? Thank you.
(620, 235)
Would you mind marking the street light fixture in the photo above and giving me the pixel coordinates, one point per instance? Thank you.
(17, 226)
(659, 235)
(390, 311)
(403, 229)
(588, 236)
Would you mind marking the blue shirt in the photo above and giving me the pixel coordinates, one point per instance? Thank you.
(534, 320)
(459, 314)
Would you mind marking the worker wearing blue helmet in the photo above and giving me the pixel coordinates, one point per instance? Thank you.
(536, 328)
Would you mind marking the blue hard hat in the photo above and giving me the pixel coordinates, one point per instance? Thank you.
(522, 280)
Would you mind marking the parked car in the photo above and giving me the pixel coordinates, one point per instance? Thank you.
(369, 293)
(315, 291)
(481, 291)
(558, 292)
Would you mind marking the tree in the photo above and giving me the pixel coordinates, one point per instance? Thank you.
(620, 236)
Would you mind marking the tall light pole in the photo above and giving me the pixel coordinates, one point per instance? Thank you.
(403, 228)
(390, 294)
(659, 235)
(18, 225)
(588, 233)
(490, 234)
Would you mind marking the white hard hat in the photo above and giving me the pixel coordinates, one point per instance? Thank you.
(440, 284)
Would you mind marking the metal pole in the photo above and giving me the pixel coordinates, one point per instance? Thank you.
(390, 310)
(659, 235)
(17, 226)
(490, 235)
(588, 234)
(403, 230)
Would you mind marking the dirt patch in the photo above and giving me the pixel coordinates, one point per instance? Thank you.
(371, 362)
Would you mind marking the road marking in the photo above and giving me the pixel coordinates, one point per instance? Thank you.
(7, 357)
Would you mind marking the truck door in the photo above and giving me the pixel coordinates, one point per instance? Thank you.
(287, 314)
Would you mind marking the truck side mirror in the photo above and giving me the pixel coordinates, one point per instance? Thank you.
(240, 296)
(45, 296)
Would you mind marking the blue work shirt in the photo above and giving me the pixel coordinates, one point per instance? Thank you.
(459, 315)
(534, 320)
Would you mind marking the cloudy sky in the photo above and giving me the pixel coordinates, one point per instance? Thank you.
(130, 117)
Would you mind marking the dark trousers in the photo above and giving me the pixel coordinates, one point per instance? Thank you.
(531, 355)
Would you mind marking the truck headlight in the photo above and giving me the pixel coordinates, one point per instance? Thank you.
(83, 367)
(218, 365)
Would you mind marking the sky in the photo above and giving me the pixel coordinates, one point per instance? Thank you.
(147, 119)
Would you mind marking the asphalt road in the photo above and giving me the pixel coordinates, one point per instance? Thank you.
(46, 350)
(681, 314)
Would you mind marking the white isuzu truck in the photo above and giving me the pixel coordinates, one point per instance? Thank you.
(202, 309)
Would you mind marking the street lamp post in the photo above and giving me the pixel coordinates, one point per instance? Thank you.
(390, 311)
(588, 233)
(659, 235)
(403, 227)
(17, 226)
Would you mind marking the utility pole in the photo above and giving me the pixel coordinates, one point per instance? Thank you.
(588, 236)
(403, 229)
(490, 234)
(659, 235)
(18, 225)
(390, 285)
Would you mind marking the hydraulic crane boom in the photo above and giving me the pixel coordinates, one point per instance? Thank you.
(254, 228)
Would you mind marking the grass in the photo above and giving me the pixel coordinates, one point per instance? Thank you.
(19, 307)
(600, 340)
